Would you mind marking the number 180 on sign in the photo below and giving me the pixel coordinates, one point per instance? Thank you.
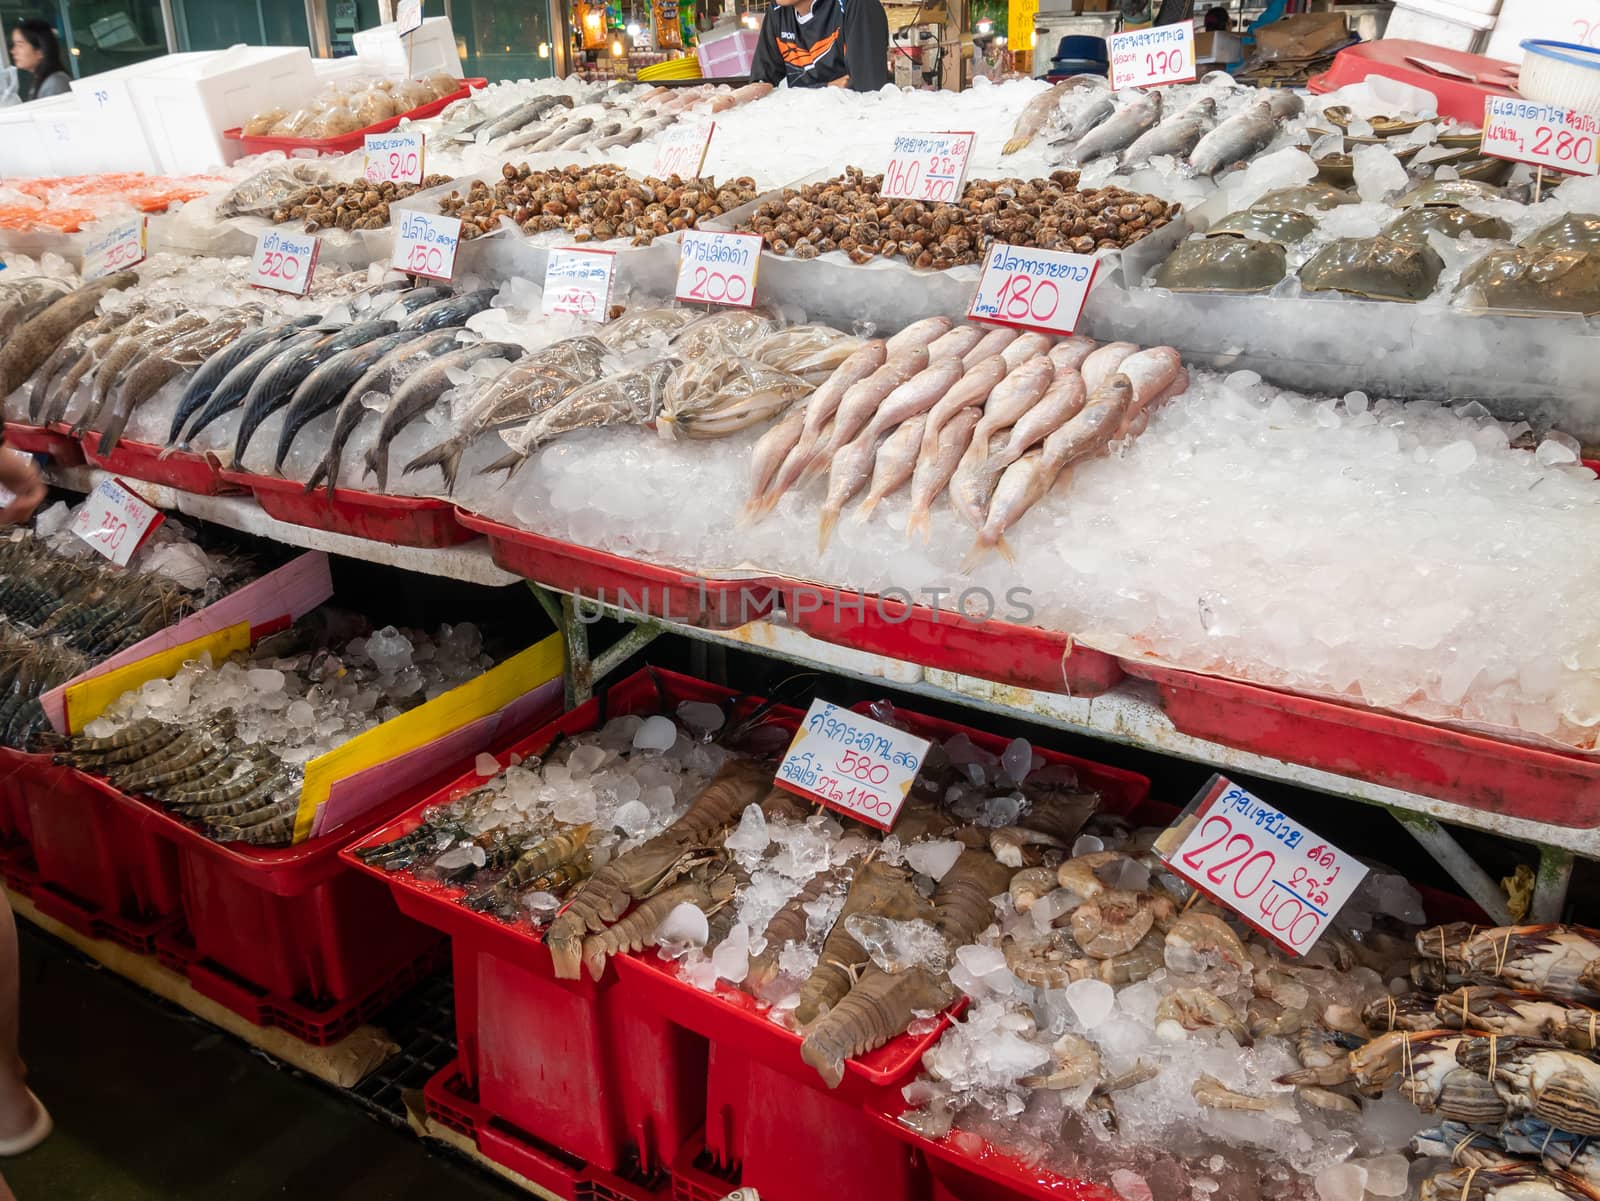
(1036, 289)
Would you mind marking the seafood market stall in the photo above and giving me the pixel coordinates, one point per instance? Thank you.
(1204, 423)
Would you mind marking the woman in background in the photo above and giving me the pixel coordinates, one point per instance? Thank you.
(34, 49)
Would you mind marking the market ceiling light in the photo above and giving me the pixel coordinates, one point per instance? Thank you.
(633, 29)
(544, 49)
(616, 47)
(985, 27)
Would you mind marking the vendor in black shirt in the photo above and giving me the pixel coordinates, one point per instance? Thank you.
(824, 43)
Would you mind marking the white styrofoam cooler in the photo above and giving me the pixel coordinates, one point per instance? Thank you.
(1453, 26)
(116, 137)
(1559, 20)
(185, 107)
(383, 51)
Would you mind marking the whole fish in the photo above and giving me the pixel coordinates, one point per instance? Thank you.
(819, 411)
(165, 360)
(68, 353)
(920, 333)
(719, 396)
(1240, 137)
(129, 349)
(215, 369)
(1013, 496)
(1028, 346)
(413, 299)
(937, 463)
(274, 387)
(895, 462)
(1069, 353)
(973, 388)
(1131, 121)
(419, 394)
(27, 299)
(1061, 402)
(449, 312)
(1033, 117)
(1011, 398)
(64, 388)
(770, 451)
(861, 401)
(1285, 103)
(599, 132)
(627, 136)
(1103, 363)
(326, 386)
(231, 390)
(632, 398)
(1083, 109)
(916, 396)
(848, 473)
(33, 341)
(956, 343)
(992, 343)
(1176, 136)
(524, 114)
(568, 129)
(1151, 372)
(380, 380)
(1135, 424)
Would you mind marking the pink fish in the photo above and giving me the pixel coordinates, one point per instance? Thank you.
(1069, 353)
(1026, 347)
(1151, 373)
(973, 388)
(917, 395)
(920, 333)
(957, 342)
(896, 460)
(1015, 395)
(769, 454)
(1103, 363)
(849, 472)
(861, 401)
(993, 342)
(936, 464)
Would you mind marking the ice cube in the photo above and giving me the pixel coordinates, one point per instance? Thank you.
(934, 858)
(732, 955)
(1379, 174)
(541, 905)
(656, 734)
(982, 961)
(702, 718)
(685, 926)
(1342, 1182)
(1555, 450)
(1130, 1186)
(1456, 457)
(1387, 1175)
(1091, 1001)
(633, 818)
(585, 760)
(264, 679)
(1016, 760)
(1087, 844)
(487, 765)
(750, 835)
(455, 857)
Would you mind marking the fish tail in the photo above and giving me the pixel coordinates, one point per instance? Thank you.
(1004, 548)
(446, 457)
(825, 524)
(979, 552)
(322, 469)
(917, 523)
(864, 510)
(1016, 144)
(378, 464)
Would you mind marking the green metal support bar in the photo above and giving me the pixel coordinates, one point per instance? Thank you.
(1550, 885)
(1463, 869)
(584, 670)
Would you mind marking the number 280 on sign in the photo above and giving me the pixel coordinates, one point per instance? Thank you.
(1546, 135)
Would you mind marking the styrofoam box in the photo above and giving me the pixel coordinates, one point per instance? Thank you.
(1438, 23)
(383, 51)
(116, 138)
(1559, 20)
(185, 108)
(23, 149)
(68, 138)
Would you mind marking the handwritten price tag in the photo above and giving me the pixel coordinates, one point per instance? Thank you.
(1545, 135)
(408, 16)
(682, 149)
(577, 283)
(114, 521)
(1035, 289)
(115, 248)
(931, 167)
(394, 156)
(1273, 872)
(852, 763)
(1149, 58)
(718, 268)
(425, 244)
(284, 262)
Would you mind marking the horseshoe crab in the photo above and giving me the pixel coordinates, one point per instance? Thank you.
(1319, 196)
(1414, 225)
(1223, 265)
(1449, 192)
(1382, 127)
(1492, 171)
(1264, 224)
(1339, 170)
(1535, 279)
(1573, 231)
(1378, 268)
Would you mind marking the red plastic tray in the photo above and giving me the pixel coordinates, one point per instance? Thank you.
(1450, 765)
(1458, 98)
(346, 142)
(63, 449)
(397, 520)
(1022, 656)
(182, 469)
(642, 588)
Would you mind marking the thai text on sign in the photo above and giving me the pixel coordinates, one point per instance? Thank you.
(114, 521)
(852, 763)
(1546, 135)
(284, 262)
(577, 283)
(114, 248)
(1149, 58)
(1275, 873)
(931, 167)
(718, 268)
(1034, 289)
(682, 149)
(394, 157)
(425, 244)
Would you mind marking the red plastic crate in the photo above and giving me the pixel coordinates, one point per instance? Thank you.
(1450, 765)
(697, 1177)
(346, 142)
(1022, 656)
(62, 449)
(643, 588)
(1460, 99)
(966, 1168)
(16, 826)
(398, 520)
(452, 1102)
(182, 469)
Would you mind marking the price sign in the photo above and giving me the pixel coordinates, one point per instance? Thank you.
(682, 149)
(114, 521)
(284, 262)
(577, 283)
(1546, 135)
(852, 763)
(425, 244)
(114, 248)
(408, 16)
(1150, 58)
(930, 167)
(1273, 872)
(394, 156)
(1034, 289)
(718, 268)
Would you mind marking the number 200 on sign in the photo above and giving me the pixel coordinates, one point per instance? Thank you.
(717, 287)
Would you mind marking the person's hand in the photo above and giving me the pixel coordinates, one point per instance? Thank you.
(20, 476)
(842, 82)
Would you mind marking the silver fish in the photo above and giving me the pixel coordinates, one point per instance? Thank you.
(1132, 120)
(1176, 136)
(1240, 137)
(632, 398)
(1094, 109)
